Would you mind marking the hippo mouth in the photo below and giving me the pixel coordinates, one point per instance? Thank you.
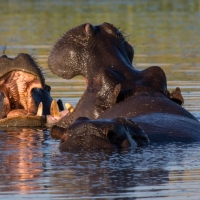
(16, 94)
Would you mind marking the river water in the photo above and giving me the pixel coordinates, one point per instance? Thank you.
(163, 33)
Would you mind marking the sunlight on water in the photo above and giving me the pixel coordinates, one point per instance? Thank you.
(164, 33)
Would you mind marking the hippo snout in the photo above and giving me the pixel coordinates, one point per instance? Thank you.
(57, 132)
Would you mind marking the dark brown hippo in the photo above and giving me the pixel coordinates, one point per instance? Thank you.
(115, 88)
(24, 97)
(86, 134)
(92, 51)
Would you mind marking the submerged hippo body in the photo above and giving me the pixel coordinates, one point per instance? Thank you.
(97, 134)
(116, 89)
(22, 89)
(162, 119)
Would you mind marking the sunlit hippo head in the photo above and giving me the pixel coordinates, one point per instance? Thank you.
(22, 87)
(85, 49)
(100, 134)
(103, 56)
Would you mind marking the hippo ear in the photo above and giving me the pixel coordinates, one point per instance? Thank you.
(176, 96)
(136, 132)
(110, 29)
(89, 29)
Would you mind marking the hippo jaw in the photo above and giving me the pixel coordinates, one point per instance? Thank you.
(19, 77)
(16, 88)
(79, 50)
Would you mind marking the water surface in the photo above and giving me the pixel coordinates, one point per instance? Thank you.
(164, 33)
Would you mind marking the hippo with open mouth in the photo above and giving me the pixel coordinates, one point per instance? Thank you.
(115, 88)
(24, 97)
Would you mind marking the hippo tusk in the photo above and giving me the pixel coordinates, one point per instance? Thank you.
(54, 110)
(40, 109)
(69, 107)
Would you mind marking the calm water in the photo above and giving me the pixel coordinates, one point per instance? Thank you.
(164, 33)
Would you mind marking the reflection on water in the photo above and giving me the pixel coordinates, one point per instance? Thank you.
(164, 33)
(21, 159)
(32, 165)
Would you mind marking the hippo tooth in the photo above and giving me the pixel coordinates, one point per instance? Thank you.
(54, 110)
(69, 107)
(40, 109)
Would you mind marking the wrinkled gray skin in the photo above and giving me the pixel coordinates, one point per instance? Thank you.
(115, 88)
(22, 88)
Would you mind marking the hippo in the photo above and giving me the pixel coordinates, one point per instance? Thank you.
(25, 99)
(102, 134)
(115, 88)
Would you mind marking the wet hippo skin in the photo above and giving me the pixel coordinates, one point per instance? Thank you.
(116, 89)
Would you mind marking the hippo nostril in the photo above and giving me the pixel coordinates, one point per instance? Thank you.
(89, 29)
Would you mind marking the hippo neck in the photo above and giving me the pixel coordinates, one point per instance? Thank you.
(128, 71)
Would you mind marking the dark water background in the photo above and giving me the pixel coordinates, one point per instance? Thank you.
(164, 33)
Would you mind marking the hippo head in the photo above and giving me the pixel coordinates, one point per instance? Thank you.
(94, 134)
(22, 87)
(85, 49)
(103, 56)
